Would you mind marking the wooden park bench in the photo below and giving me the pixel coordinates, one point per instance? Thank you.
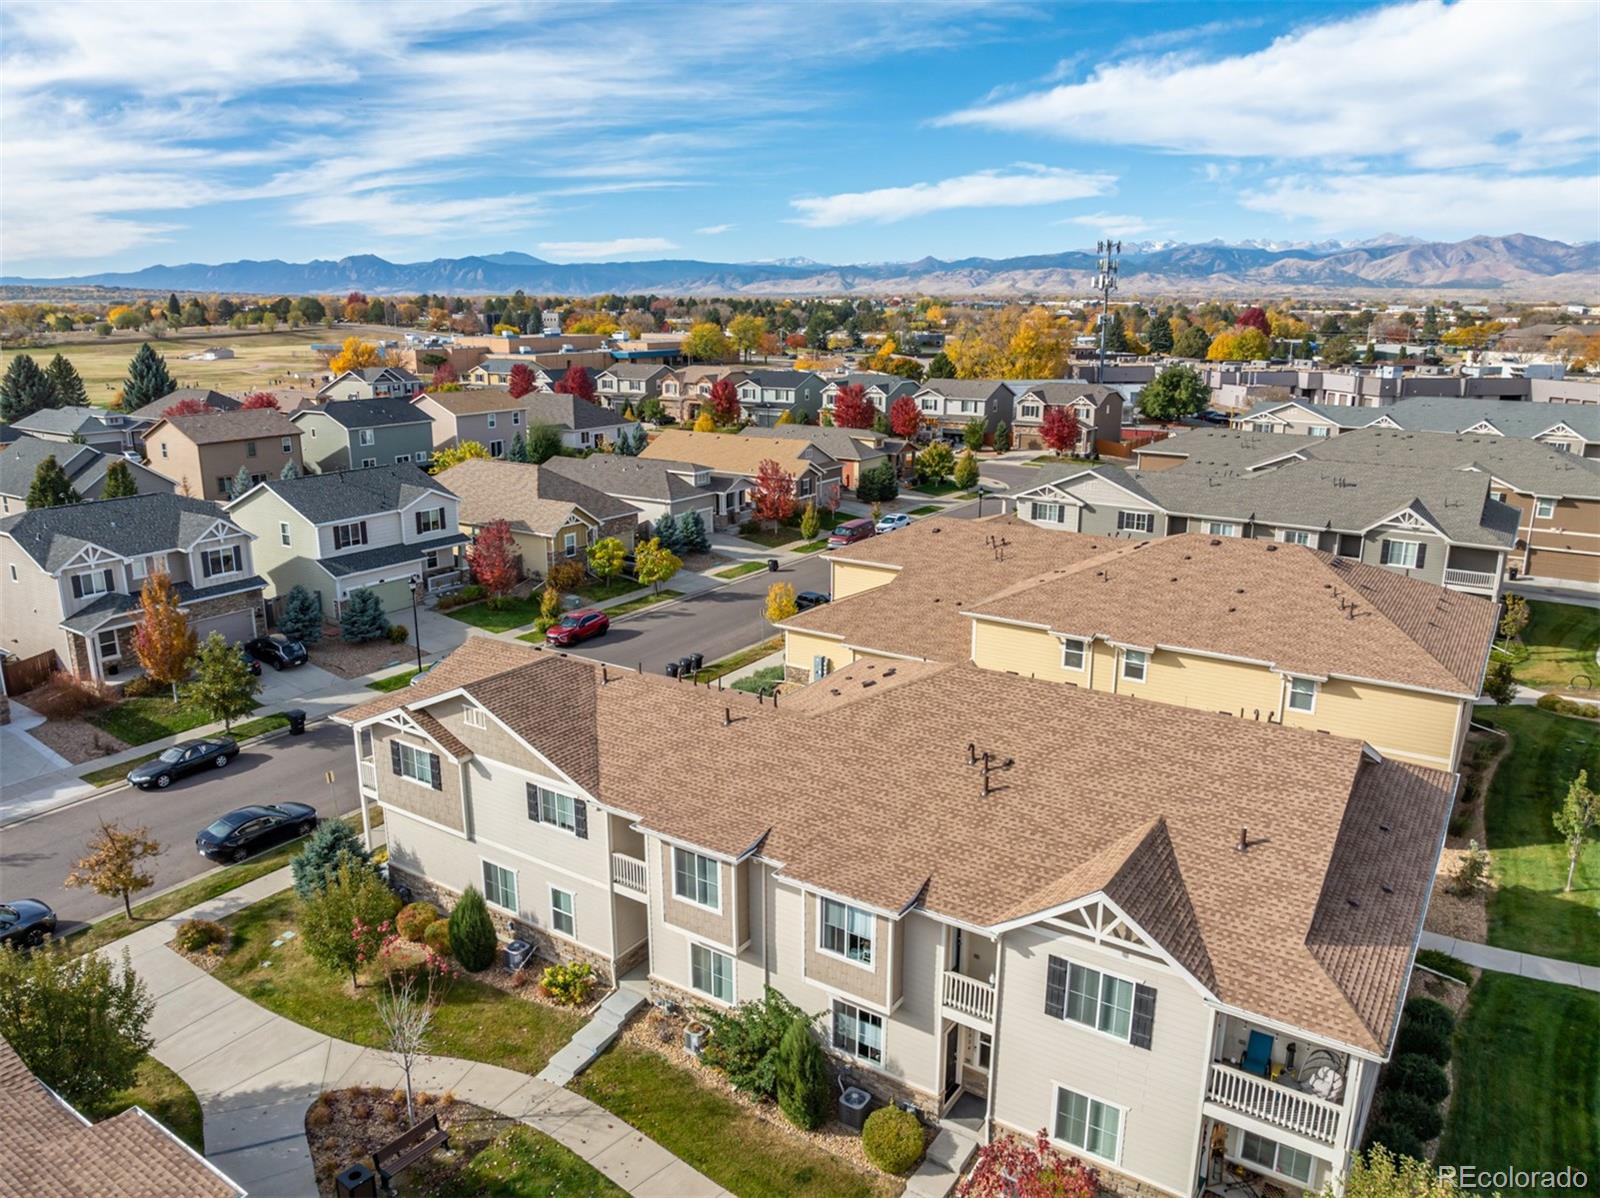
(408, 1148)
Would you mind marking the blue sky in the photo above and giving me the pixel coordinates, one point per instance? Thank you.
(140, 133)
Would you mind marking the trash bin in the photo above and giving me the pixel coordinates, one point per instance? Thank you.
(358, 1181)
(685, 667)
(772, 565)
(672, 669)
(518, 953)
(696, 660)
(297, 721)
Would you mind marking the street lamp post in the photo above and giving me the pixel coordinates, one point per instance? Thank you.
(416, 628)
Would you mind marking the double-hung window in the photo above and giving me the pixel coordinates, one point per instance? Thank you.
(1135, 664)
(1295, 536)
(1407, 555)
(696, 879)
(416, 764)
(847, 931)
(1221, 528)
(284, 534)
(554, 808)
(569, 544)
(1544, 509)
(1088, 1124)
(286, 445)
(563, 917)
(1302, 694)
(220, 561)
(711, 972)
(430, 520)
(366, 437)
(492, 421)
(1099, 1000)
(1136, 522)
(346, 535)
(1280, 1158)
(1073, 653)
(499, 886)
(858, 1032)
(1047, 513)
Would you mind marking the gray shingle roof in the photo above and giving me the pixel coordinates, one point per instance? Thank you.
(131, 527)
(964, 388)
(214, 428)
(1448, 414)
(367, 413)
(635, 370)
(1066, 393)
(781, 378)
(21, 458)
(627, 478)
(62, 421)
(352, 494)
(568, 411)
(108, 607)
(154, 409)
(1526, 465)
(388, 555)
(837, 443)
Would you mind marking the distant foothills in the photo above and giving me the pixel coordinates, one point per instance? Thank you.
(1518, 265)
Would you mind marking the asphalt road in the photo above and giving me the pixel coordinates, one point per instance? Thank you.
(37, 855)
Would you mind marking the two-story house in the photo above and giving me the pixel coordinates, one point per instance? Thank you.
(685, 389)
(203, 454)
(765, 396)
(142, 418)
(84, 467)
(735, 462)
(947, 406)
(1111, 968)
(552, 517)
(98, 428)
(72, 576)
(880, 390)
(490, 416)
(371, 382)
(582, 425)
(378, 529)
(353, 434)
(624, 385)
(1098, 411)
(855, 449)
(657, 488)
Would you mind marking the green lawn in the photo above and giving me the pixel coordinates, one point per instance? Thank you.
(1527, 909)
(475, 1021)
(1558, 646)
(164, 1096)
(520, 1163)
(138, 721)
(1050, 459)
(943, 487)
(809, 546)
(735, 661)
(772, 539)
(643, 601)
(741, 570)
(241, 732)
(394, 682)
(511, 613)
(716, 1135)
(595, 591)
(926, 509)
(1527, 1079)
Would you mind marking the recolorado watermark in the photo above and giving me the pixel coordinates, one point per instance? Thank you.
(1504, 1180)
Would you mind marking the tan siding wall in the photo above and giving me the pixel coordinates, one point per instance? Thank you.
(1031, 652)
(870, 985)
(1161, 1087)
(443, 806)
(1412, 727)
(715, 926)
(799, 649)
(851, 578)
(31, 606)
(1207, 684)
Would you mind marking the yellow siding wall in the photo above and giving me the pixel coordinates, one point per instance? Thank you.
(1031, 652)
(851, 578)
(1208, 684)
(1401, 724)
(799, 648)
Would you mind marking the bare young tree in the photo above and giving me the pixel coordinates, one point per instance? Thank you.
(406, 1013)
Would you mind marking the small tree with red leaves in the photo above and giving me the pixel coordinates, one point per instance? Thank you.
(852, 408)
(520, 381)
(189, 406)
(1060, 429)
(724, 402)
(773, 493)
(905, 418)
(577, 381)
(1255, 318)
(795, 340)
(493, 559)
(443, 375)
(259, 399)
(1016, 1167)
(355, 297)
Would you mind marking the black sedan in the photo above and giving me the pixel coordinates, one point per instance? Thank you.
(26, 923)
(806, 600)
(239, 833)
(277, 651)
(212, 753)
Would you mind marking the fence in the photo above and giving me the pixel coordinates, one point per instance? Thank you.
(22, 674)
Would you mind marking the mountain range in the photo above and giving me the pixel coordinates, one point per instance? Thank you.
(1517, 265)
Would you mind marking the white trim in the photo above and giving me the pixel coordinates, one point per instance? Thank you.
(516, 887)
(572, 899)
(672, 883)
(872, 940)
(690, 944)
(1055, 1114)
(1099, 999)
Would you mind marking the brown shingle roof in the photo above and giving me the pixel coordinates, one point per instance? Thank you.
(465, 403)
(48, 1151)
(1159, 822)
(729, 452)
(530, 497)
(210, 428)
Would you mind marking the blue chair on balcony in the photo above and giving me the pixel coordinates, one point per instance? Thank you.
(1258, 1055)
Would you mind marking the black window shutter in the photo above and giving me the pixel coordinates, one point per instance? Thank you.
(394, 756)
(533, 801)
(1422, 554)
(419, 521)
(77, 586)
(1144, 1016)
(1055, 989)
(110, 586)
(433, 769)
(580, 818)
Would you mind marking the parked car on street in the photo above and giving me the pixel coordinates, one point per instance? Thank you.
(277, 651)
(578, 626)
(850, 532)
(249, 829)
(213, 752)
(893, 521)
(26, 923)
(806, 600)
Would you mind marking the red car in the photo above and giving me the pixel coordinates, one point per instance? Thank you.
(850, 532)
(578, 626)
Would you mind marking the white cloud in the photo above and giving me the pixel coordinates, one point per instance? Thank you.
(400, 214)
(713, 230)
(1110, 224)
(607, 249)
(1022, 186)
(1454, 204)
(1443, 85)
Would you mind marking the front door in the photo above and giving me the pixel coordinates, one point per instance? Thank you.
(952, 1061)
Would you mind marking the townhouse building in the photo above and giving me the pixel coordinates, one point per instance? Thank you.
(354, 434)
(98, 428)
(491, 417)
(71, 576)
(624, 385)
(1083, 966)
(204, 454)
(734, 461)
(1261, 630)
(881, 390)
(1097, 409)
(949, 405)
(765, 396)
(1571, 429)
(84, 466)
(371, 382)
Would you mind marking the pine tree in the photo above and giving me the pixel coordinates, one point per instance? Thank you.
(148, 379)
(472, 935)
(69, 388)
(803, 1090)
(691, 533)
(119, 481)
(544, 443)
(1160, 339)
(51, 487)
(301, 618)
(1002, 437)
(941, 367)
(363, 618)
(333, 844)
(290, 471)
(24, 390)
(667, 532)
(519, 449)
(240, 483)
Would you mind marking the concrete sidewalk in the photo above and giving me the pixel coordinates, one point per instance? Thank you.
(256, 1072)
(1504, 960)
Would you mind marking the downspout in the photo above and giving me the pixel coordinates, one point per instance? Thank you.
(994, 1036)
(766, 929)
(361, 791)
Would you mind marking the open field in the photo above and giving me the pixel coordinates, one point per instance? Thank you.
(262, 361)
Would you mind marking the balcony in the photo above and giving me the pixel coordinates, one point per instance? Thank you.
(367, 773)
(970, 997)
(1274, 1103)
(1469, 580)
(629, 873)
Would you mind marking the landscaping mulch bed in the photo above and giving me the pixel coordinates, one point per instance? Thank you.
(331, 653)
(1466, 917)
(346, 1126)
(662, 1034)
(76, 740)
(524, 984)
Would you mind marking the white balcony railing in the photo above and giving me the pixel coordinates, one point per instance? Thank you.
(1278, 1105)
(368, 773)
(1477, 580)
(629, 873)
(970, 996)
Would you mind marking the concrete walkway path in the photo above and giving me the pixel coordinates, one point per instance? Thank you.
(256, 1072)
(1504, 960)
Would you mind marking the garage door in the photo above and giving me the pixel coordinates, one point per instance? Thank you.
(395, 596)
(234, 626)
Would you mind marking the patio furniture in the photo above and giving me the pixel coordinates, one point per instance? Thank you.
(1258, 1054)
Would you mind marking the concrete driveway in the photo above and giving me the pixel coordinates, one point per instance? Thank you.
(22, 758)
